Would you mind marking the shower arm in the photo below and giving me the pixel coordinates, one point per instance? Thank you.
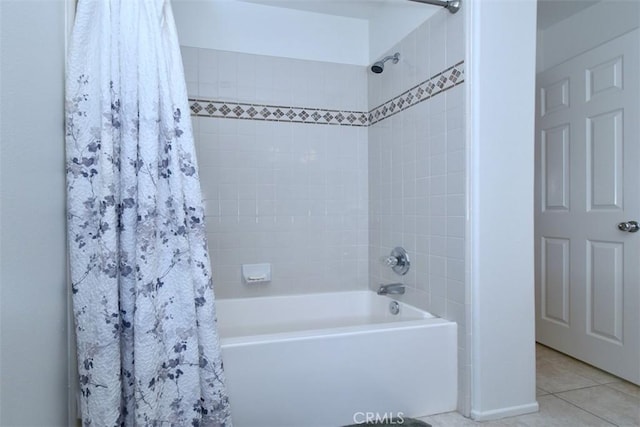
(452, 6)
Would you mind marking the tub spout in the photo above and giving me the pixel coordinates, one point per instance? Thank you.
(391, 289)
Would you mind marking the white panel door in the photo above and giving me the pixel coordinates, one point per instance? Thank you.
(587, 183)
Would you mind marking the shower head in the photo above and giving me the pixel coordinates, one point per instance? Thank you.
(378, 67)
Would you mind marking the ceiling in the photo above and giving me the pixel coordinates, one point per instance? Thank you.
(553, 11)
(549, 11)
(359, 9)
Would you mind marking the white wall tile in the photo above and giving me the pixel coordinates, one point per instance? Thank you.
(286, 201)
(455, 95)
(456, 183)
(437, 120)
(423, 44)
(438, 165)
(456, 161)
(455, 248)
(408, 64)
(456, 291)
(455, 270)
(455, 226)
(456, 205)
(455, 139)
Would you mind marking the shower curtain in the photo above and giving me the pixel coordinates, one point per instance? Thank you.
(148, 351)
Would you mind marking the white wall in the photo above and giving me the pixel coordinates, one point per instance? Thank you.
(591, 27)
(501, 82)
(299, 30)
(1, 192)
(267, 30)
(33, 351)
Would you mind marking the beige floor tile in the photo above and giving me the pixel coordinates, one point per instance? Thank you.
(553, 377)
(614, 406)
(587, 371)
(574, 365)
(544, 352)
(454, 419)
(553, 412)
(626, 387)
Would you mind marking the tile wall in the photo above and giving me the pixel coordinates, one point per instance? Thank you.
(277, 188)
(417, 181)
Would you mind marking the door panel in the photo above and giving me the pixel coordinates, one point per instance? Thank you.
(555, 96)
(555, 280)
(604, 290)
(588, 181)
(604, 77)
(604, 161)
(555, 168)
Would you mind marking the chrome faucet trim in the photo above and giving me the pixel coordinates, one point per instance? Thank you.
(391, 289)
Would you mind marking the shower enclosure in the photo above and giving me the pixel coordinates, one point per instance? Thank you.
(320, 167)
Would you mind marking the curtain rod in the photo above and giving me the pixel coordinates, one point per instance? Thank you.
(452, 6)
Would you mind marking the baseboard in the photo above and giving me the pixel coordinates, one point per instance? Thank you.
(512, 411)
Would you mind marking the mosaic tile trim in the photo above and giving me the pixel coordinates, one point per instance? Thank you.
(276, 113)
(429, 88)
(437, 84)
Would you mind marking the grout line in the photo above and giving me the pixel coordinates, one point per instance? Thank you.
(580, 407)
(576, 389)
(546, 391)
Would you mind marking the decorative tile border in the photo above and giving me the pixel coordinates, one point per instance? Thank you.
(275, 113)
(429, 88)
(437, 84)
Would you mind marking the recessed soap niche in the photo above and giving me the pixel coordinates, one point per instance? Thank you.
(256, 273)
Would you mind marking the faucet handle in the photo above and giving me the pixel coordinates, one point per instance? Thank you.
(398, 260)
(390, 261)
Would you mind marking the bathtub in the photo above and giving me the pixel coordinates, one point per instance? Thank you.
(328, 360)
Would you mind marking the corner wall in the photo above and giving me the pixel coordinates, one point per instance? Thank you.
(33, 350)
(501, 85)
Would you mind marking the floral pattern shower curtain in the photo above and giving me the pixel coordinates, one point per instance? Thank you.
(143, 302)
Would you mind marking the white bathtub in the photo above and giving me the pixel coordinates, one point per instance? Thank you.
(334, 359)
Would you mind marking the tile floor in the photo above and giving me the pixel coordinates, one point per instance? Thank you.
(570, 394)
